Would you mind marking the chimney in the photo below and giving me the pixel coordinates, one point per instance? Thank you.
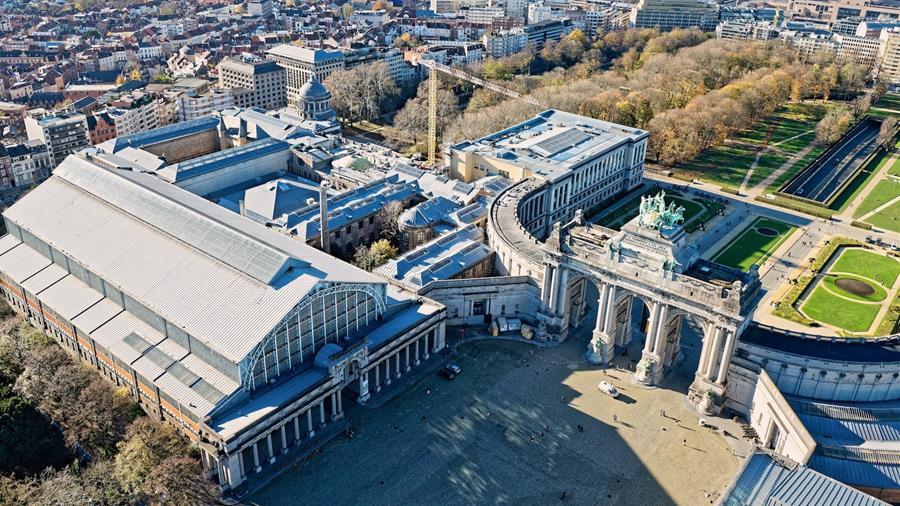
(324, 236)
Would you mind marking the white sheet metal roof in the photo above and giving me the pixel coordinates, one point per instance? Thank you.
(97, 315)
(22, 262)
(47, 277)
(175, 274)
(69, 297)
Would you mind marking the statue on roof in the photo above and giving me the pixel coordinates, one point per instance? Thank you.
(654, 214)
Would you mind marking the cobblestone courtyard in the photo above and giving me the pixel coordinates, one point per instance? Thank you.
(506, 431)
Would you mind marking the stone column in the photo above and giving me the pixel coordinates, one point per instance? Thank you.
(563, 292)
(256, 466)
(284, 446)
(648, 368)
(406, 357)
(726, 357)
(309, 427)
(709, 334)
(440, 337)
(427, 350)
(661, 331)
(322, 413)
(417, 352)
(297, 428)
(363, 387)
(333, 407)
(377, 378)
(546, 289)
(554, 290)
(387, 371)
(271, 451)
(600, 349)
(397, 360)
(713, 354)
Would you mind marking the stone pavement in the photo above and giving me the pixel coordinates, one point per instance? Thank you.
(521, 425)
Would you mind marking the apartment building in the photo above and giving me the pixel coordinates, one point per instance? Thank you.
(667, 15)
(264, 80)
(301, 63)
(62, 132)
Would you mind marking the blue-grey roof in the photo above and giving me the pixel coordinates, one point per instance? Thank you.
(166, 133)
(429, 213)
(764, 481)
(856, 472)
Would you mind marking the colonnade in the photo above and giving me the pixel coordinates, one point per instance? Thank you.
(663, 330)
(294, 431)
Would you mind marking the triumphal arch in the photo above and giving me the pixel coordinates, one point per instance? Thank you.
(651, 262)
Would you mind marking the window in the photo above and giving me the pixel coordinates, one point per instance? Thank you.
(479, 307)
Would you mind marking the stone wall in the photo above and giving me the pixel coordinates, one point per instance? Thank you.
(512, 297)
(188, 147)
(778, 427)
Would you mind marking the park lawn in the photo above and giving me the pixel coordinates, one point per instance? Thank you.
(859, 182)
(889, 101)
(797, 119)
(885, 191)
(751, 247)
(798, 166)
(828, 308)
(724, 165)
(867, 264)
(768, 163)
(894, 169)
(879, 295)
(887, 219)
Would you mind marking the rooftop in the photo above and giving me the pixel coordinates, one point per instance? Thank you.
(305, 54)
(163, 134)
(552, 143)
(215, 161)
(222, 278)
(445, 257)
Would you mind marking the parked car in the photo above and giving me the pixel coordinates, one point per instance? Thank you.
(608, 389)
(450, 371)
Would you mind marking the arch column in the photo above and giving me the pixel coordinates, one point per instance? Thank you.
(600, 349)
(649, 367)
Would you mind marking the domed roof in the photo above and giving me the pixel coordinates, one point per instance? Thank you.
(313, 90)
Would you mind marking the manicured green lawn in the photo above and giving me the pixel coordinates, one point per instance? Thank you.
(889, 101)
(798, 166)
(888, 218)
(839, 312)
(895, 167)
(768, 163)
(859, 182)
(751, 247)
(885, 191)
(723, 165)
(870, 265)
(879, 293)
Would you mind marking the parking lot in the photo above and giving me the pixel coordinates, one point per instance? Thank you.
(519, 425)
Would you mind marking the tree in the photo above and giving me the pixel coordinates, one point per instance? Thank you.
(363, 258)
(833, 125)
(179, 480)
(412, 119)
(145, 447)
(346, 11)
(361, 93)
(382, 251)
(388, 219)
(887, 131)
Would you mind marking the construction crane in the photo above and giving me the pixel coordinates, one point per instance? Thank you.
(435, 67)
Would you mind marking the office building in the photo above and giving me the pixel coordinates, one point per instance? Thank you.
(264, 79)
(301, 63)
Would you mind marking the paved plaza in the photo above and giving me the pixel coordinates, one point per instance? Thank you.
(520, 425)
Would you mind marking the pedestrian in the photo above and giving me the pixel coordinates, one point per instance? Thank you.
(615, 418)
(580, 428)
(684, 442)
(562, 497)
